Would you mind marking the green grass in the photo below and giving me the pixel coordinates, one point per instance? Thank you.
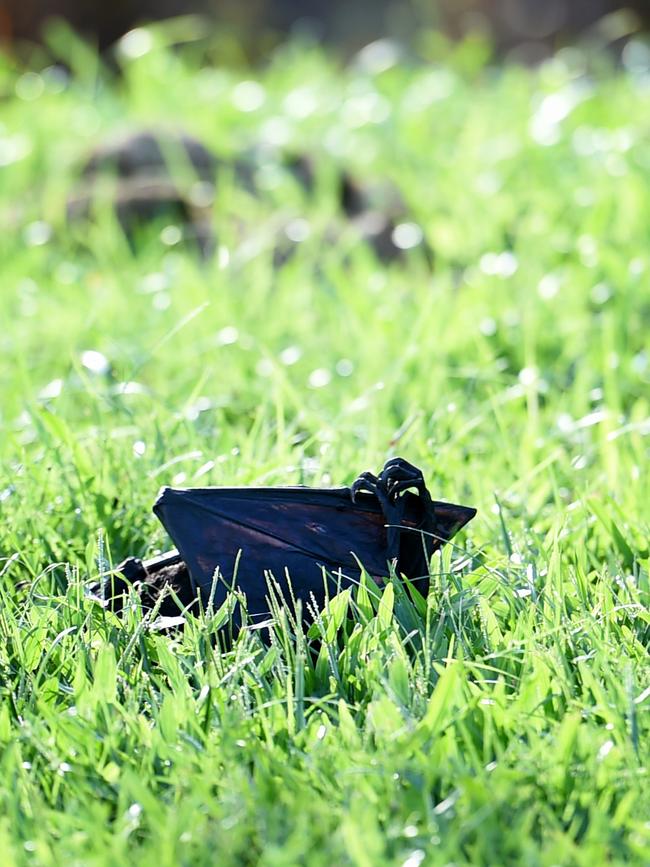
(505, 722)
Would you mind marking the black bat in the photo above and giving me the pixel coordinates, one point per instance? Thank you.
(308, 542)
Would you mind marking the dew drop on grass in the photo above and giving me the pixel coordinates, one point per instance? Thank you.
(434, 86)
(264, 367)
(248, 96)
(300, 103)
(161, 300)
(96, 362)
(414, 859)
(269, 176)
(552, 110)
(378, 56)
(227, 336)
(276, 131)
(365, 108)
(405, 236)
(639, 362)
(588, 250)
(194, 410)
(319, 378)
(52, 389)
(636, 57)
(359, 404)
(488, 326)
(201, 194)
(171, 235)
(14, 148)
(605, 750)
(548, 286)
(5, 493)
(344, 367)
(129, 388)
(290, 355)
(297, 230)
(139, 448)
(66, 273)
(223, 257)
(30, 86)
(499, 264)
(601, 293)
(154, 282)
(136, 43)
(528, 375)
(37, 234)
(204, 469)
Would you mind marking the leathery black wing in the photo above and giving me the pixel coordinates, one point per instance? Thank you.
(317, 536)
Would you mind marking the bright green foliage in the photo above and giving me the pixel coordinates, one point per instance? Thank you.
(503, 720)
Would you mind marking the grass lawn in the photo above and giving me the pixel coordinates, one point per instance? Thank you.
(506, 721)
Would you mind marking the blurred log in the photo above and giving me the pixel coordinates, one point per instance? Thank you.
(147, 176)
